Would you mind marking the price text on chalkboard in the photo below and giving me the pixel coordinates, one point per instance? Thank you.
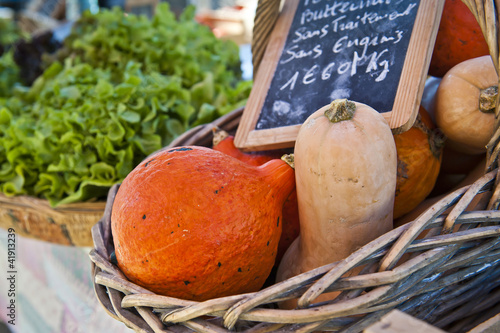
(375, 52)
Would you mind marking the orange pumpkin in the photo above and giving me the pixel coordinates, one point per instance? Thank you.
(459, 38)
(224, 142)
(194, 223)
(419, 159)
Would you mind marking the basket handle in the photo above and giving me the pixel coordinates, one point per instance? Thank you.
(266, 14)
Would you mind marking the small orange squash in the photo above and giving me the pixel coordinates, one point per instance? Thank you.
(224, 142)
(194, 223)
(419, 158)
(345, 169)
(465, 103)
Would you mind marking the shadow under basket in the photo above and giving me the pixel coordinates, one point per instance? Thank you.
(443, 268)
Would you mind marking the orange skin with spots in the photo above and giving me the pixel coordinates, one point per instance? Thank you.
(291, 223)
(459, 38)
(194, 223)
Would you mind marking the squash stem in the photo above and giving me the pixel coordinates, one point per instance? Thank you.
(219, 135)
(340, 110)
(289, 159)
(436, 139)
(487, 99)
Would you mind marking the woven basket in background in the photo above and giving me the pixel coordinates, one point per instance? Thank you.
(35, 218)
(450, 278)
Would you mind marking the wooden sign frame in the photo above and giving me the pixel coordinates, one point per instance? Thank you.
(408, 95)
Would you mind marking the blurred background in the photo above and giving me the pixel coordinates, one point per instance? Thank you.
(228, 19)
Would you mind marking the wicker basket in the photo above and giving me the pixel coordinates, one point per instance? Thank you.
(450, 275)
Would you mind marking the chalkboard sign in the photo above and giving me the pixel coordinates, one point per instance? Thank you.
(372, 51)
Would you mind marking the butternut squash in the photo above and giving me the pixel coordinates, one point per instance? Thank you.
(345, 170)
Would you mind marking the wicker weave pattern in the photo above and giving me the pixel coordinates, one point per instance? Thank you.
(443, 267)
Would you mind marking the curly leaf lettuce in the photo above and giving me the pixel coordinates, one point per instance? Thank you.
(121, 88)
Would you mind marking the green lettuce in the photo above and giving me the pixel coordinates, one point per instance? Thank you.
(121, 88)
